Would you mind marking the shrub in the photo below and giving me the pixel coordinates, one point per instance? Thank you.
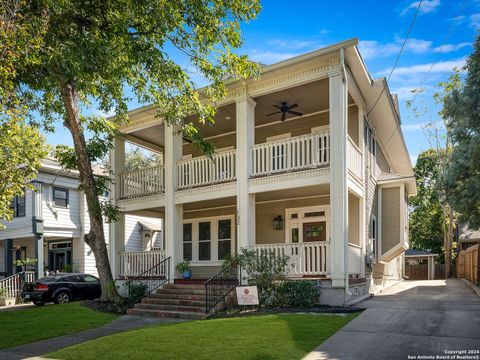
(3, 293)
(136, 291)
(299, 293)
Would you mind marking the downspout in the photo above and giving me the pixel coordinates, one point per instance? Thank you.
(345, 204)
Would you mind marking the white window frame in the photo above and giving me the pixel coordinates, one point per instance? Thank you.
(214, 261)
(301, 219)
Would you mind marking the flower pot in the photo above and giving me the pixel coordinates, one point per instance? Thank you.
(187, 274)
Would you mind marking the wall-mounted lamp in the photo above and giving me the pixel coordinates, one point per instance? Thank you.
(278, 223)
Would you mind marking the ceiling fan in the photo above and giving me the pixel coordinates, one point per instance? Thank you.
(284, 109)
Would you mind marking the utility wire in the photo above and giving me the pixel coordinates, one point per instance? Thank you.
(398, 57)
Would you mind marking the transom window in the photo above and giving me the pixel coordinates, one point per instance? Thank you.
(60, 197)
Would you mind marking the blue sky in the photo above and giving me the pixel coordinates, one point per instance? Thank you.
(442, 35)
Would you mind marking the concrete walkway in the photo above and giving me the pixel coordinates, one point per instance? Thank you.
(411, 318)
(123, 323)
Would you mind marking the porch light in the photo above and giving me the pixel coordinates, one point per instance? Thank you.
(278, 223)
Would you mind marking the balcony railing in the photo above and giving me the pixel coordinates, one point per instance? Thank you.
(305, 258)
(355, 260)
(204, 170)
(136, 263)
(300, 152)
(142, 182)
(354, 159)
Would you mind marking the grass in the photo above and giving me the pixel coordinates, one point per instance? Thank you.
(289, 336)
(20, 327)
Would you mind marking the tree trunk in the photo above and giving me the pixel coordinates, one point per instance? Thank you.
(95, 238)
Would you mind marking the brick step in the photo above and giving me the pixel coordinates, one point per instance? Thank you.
(168, 314)
(174, 301)
(181, 291)
(185, 286)
(161, 295)
(161, 307)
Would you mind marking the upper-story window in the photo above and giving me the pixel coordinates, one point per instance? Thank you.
(18, 205)
(60, 197)
(371, 145)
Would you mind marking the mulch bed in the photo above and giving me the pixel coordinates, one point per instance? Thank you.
(105, 306)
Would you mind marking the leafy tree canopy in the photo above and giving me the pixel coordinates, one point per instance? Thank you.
(461, 109)
(426, 214)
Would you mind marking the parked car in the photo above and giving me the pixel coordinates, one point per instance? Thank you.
(62, 288)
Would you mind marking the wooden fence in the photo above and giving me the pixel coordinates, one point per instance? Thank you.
(467, 264)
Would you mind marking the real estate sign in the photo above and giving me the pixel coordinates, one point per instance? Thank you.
(247, 295)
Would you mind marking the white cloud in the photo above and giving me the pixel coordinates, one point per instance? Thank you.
(446, 48)
(413, 127)
(438, 67)
(269, 57)
(407, 92)
(293, 44)
(475, 20)
(374, 49)
(457, 20)
(427, 6)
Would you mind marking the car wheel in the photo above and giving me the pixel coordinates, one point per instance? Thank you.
(62, 298)
(38, 303)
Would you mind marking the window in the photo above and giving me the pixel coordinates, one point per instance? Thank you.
(187, 242)
(90, 279)
(224, 238)
(204, 243)
(60, 197)
(374, 235)
(18, 205)
(314, 214)
(295, 236)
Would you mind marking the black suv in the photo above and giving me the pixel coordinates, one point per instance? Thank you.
(62, 288)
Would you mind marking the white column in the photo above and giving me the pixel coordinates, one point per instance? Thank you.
(173, 213)
(116, 229)
(37, 224)
(338, 175)
(245, 115)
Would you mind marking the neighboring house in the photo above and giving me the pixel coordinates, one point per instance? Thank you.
(326, 183)
(467, 237)
(61, 208)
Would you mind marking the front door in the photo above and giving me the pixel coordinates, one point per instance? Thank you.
(315, 231)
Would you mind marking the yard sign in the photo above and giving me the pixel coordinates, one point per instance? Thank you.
(247, 295)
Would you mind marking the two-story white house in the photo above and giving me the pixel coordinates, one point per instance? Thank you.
(310, 162)
(59, 207)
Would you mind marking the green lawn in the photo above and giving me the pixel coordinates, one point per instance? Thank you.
(25, 326)
(257, 337)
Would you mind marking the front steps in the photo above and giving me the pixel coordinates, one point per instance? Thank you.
(181, 301)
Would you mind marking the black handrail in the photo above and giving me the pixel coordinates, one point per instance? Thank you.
(220, 285)
(152, 279)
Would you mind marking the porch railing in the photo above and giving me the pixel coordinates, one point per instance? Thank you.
(138, 262)
(354, 159)
(204, 170)
(305, 258)
(300, 152)
(13, 285)
(220, 285)
(354, 259)
(142, 182)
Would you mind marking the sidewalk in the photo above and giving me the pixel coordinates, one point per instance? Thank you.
(123, 323)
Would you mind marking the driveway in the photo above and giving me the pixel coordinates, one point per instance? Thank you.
(410, 320)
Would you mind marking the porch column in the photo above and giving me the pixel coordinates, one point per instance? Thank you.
(37, 227)
(338, 175)
(245, 202)
(8, 257)
(173, 239)
(117, 229)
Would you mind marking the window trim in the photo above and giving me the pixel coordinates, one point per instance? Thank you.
(67, 199)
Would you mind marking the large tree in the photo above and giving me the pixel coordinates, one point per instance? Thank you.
(100, 53)
(426, 214)
(22, 145)
(462, 110)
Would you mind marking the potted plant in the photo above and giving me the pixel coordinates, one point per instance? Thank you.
(184, 269)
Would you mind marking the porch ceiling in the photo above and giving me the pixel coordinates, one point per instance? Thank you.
(308, 191)
(228, 201)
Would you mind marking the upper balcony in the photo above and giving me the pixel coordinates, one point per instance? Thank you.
(282, 146)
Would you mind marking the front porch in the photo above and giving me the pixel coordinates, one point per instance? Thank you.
(294, 223)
